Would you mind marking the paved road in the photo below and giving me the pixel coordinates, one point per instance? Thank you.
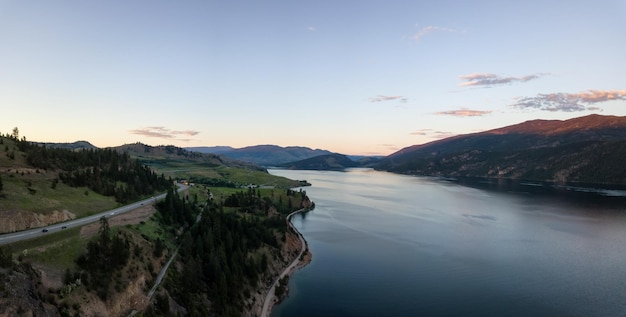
(270, 294)
(42, 231)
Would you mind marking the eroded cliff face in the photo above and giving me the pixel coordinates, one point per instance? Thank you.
(20, 294)
(12, 220)
(290, 249)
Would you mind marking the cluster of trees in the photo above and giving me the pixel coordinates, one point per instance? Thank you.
(103, 257)
(248, 201)
(251, 201)
(177, 211)
(105, 171)
(6, 257)
(215, 182)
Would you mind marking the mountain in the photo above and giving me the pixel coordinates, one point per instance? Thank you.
(167, 154)
(272, 155)
(332, 162)
(588, 149)
(210, 149)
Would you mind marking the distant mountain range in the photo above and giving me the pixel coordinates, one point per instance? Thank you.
(264, 155)
(588, 149)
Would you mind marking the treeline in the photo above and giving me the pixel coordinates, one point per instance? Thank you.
(104, 171)
(225, 254)
(176, 211)
(251, 201)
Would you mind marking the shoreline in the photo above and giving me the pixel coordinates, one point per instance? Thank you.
(299, 262)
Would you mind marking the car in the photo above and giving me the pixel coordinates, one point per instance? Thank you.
(64, 227)
(44, 230)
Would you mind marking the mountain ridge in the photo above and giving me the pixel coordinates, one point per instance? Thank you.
(584, 149)
(268, 154)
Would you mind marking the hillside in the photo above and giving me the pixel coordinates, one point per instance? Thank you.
(226, 259)
(330, 162)
(210, 149)
(168, 154)
(78, 145)
(265, 155)
(210, 169)
(587, 149)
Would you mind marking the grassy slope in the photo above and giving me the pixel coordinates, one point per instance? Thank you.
(18, 177)
(181, 169)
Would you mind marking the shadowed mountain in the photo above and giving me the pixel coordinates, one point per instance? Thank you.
(269, 155)
(588, 149)
(211, 149)
(328, 162)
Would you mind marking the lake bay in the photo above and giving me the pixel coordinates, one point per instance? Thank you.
(393, 245)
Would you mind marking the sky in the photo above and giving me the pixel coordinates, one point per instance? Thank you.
(355, 77)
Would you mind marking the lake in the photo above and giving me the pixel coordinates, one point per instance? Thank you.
(394, 245)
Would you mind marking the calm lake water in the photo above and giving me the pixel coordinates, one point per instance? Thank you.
(393, 245)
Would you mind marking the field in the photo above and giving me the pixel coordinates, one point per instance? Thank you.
(203, 171)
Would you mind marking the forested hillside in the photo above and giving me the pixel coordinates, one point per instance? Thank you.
(232, 251)
(104, 171)
(231, 241)
(584, 150)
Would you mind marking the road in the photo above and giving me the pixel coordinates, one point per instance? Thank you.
(161, 275)
(42, 231)
(270, 293)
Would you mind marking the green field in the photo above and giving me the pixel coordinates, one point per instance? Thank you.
(185, 170)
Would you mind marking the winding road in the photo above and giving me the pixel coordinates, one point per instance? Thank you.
(42, 231)
(270, 293)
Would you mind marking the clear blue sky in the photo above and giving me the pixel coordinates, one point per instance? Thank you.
(356, 77)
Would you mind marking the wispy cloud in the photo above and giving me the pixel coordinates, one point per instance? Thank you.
(311, 28)
(490, 80)
(464, 112)
(422, 132)
(568, 102)
(380, 98)
(433, 134)
(429, 29)
(163, 133)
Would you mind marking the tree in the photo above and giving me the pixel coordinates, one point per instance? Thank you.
(16, 133)
(105, 232)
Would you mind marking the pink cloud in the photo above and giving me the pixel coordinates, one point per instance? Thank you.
(570, 102)
(162, 132)
(464, 113)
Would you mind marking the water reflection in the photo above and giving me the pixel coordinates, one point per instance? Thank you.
(393, 245)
